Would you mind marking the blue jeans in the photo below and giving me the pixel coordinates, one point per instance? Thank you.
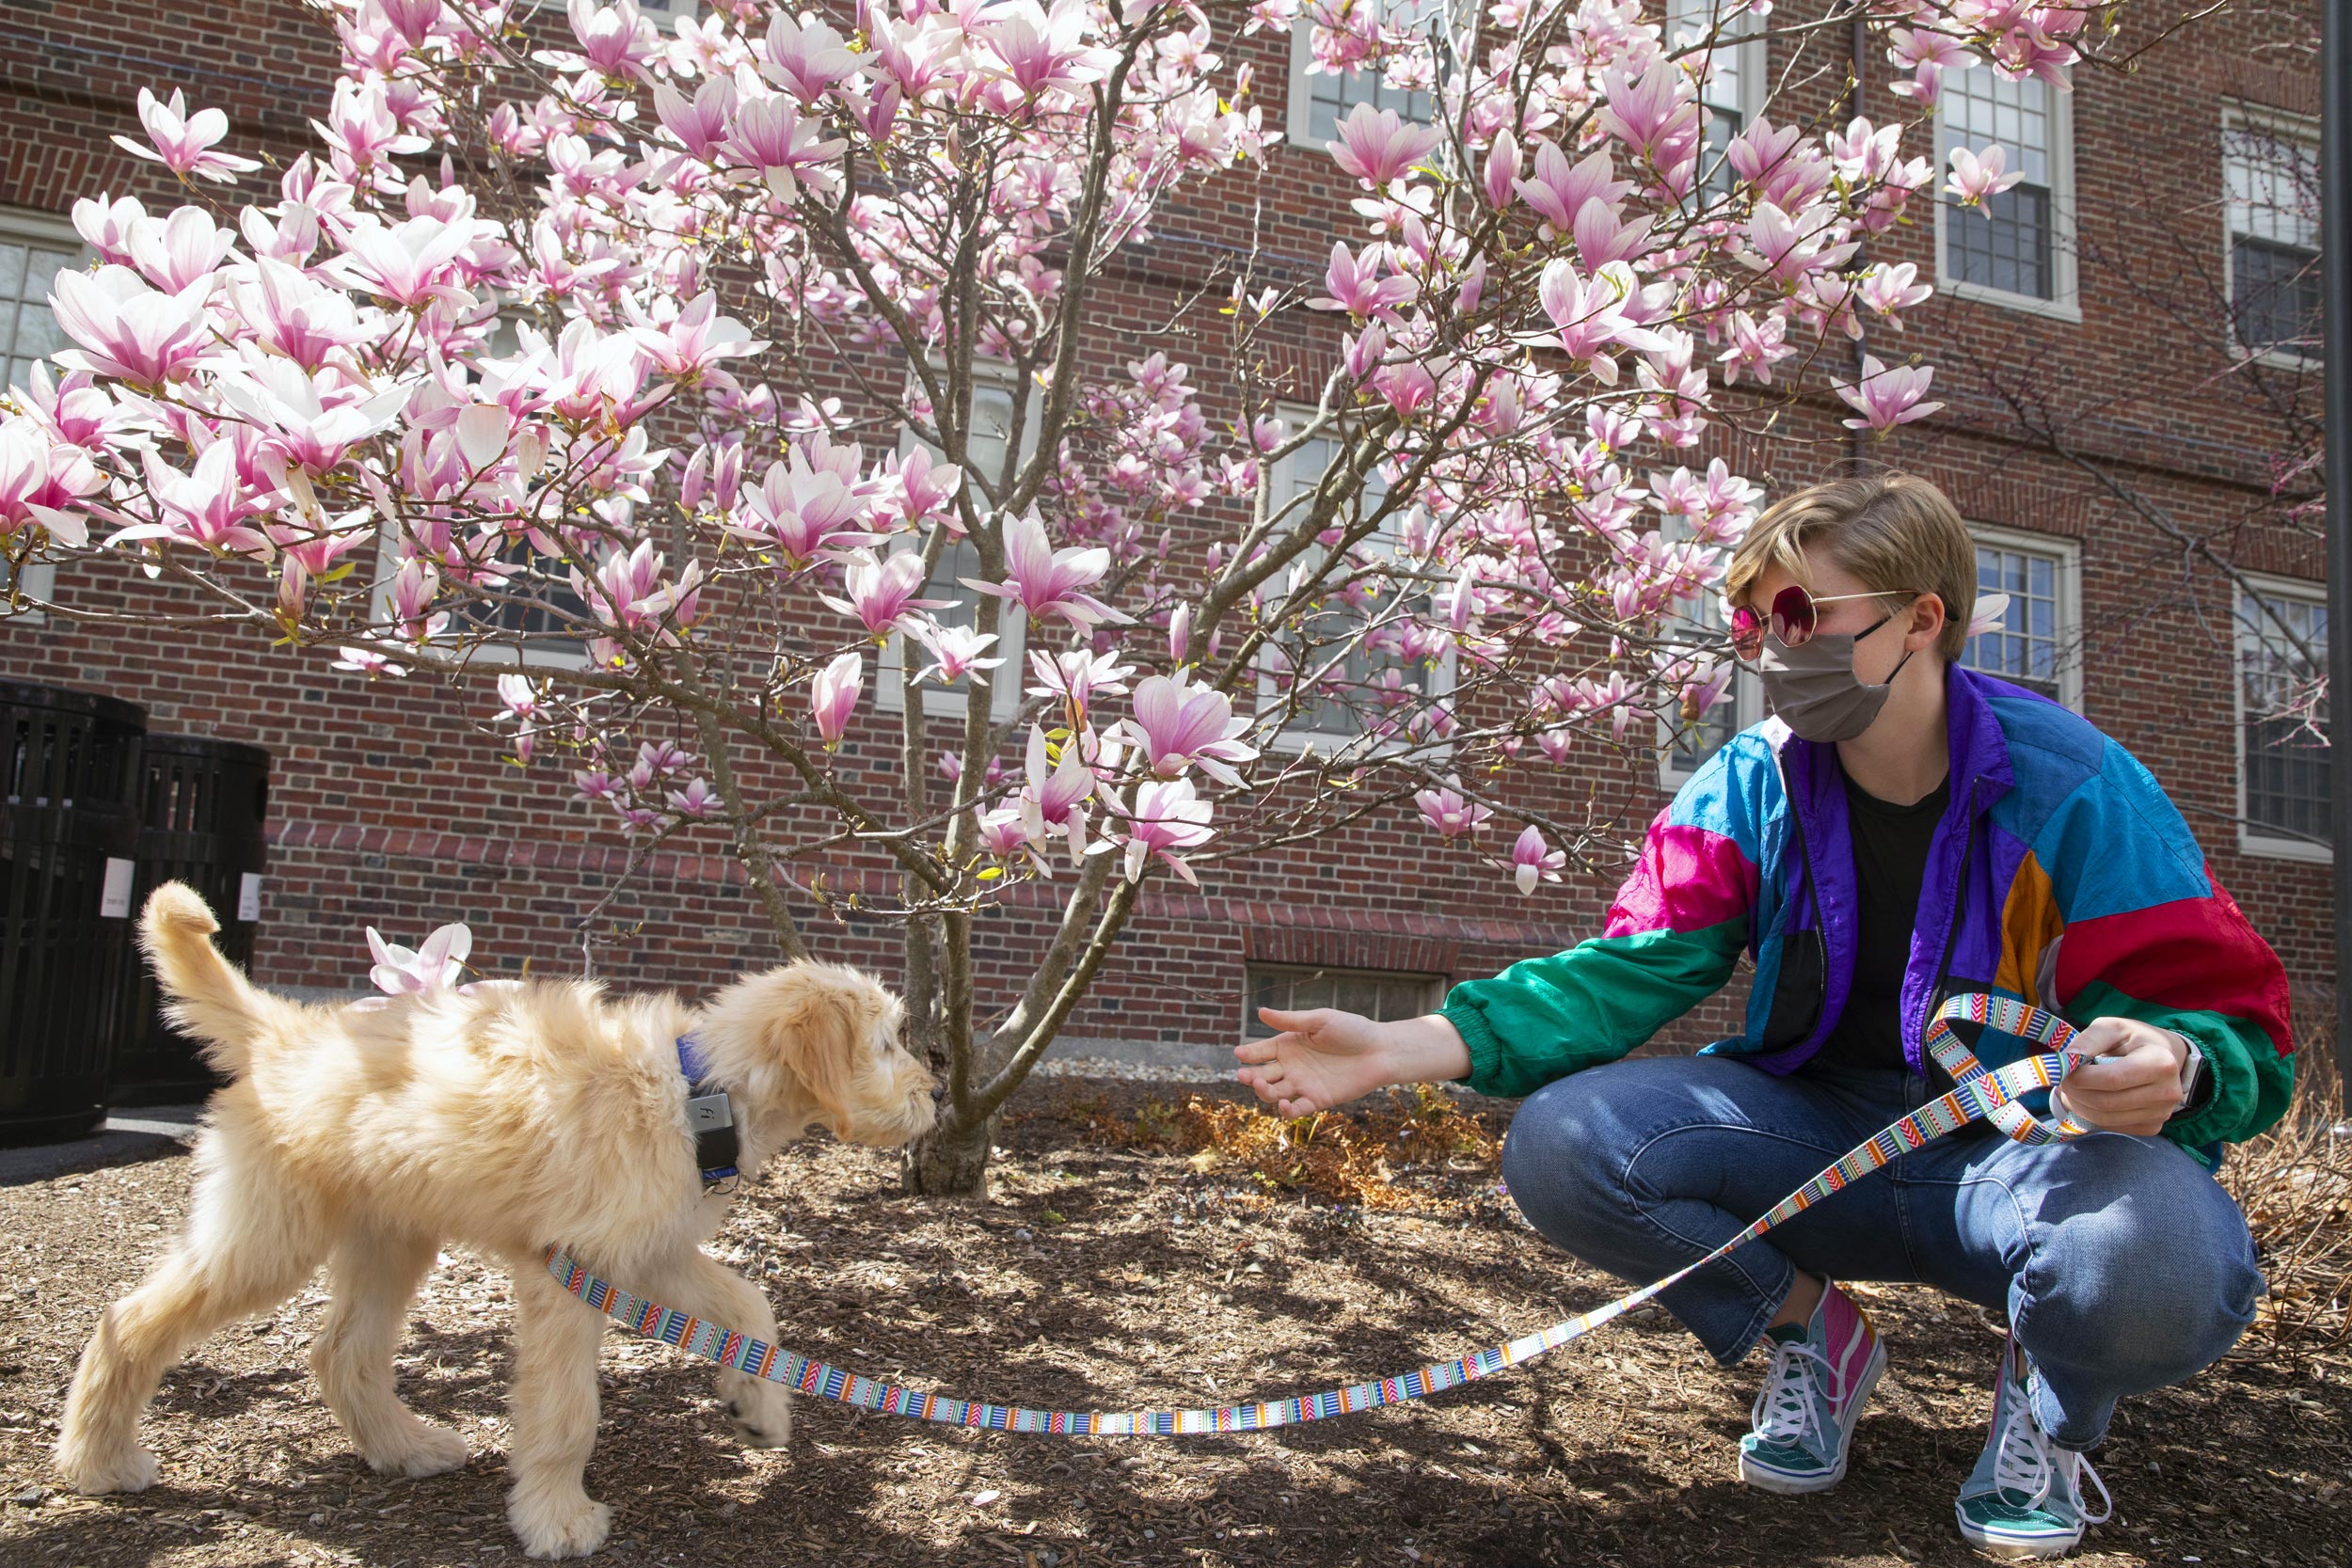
(2122, 1263)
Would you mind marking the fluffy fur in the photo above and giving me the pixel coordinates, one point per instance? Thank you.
(507, 1120)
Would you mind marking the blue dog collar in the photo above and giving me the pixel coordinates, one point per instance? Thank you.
(709, 1117)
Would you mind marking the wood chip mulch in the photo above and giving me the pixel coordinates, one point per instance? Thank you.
(1110, 1273)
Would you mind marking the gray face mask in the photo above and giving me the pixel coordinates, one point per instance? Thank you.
(1814, 690)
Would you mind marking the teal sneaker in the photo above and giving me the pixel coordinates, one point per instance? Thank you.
(2025, 1498)
(1812, 1396)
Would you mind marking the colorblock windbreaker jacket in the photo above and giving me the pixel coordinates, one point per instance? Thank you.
(2060, 875)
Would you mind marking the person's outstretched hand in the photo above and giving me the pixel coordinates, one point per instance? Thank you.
(1325, 1057)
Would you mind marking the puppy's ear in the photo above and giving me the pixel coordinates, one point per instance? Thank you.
(819, 1038)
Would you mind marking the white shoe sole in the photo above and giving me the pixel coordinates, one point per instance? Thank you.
(2013, 1547)
(1765, 1479)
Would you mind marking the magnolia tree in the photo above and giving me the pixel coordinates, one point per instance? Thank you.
(571, 333)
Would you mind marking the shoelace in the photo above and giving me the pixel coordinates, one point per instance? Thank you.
(2028, 1465)
(1783, 1409)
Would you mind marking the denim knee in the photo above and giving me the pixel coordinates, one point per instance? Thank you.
(2144, 1290)
(1561, 1170)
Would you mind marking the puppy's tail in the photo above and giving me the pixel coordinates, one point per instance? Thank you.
(204, 993)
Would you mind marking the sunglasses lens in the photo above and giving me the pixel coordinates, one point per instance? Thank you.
(1794, 617)
(1747, 632)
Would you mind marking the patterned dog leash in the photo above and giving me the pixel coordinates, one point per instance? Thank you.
(1991, 1095)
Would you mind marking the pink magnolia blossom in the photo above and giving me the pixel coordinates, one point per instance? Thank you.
(1886, 397)
(697, 799)
(1534, 859)
(414, 972)
(368, 662)
(1375, 145)
(833, 696)
(1448, 814)
(1591, 316)
(41, 483)
(1559, 191)
(1358, 288)
(955, 653)
(691, 340)
(1168, 816)
(1077, 676)
(182, 142)
(1979, 175)
(804, 60)
(787, 151)
(127, 329)
(1501, 177)
(1178, 725)
(883, 592)
(1986, 613)
(1054, 799)
(1045, 581)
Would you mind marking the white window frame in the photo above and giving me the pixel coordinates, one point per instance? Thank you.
(1298, 127)
(2068, 554)
(2065, 303)
(2251, 839)
(1006, 681)
(1293, 739)
(2287, 126)
(489, 654)
(50, 232)
(1743, 698)
(1740, 40)
(662, 12)
(1435, 985)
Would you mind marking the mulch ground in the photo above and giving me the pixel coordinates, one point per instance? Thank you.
(1112, 1272)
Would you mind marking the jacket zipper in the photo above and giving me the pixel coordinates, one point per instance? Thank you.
(1812, 890)
(1959, 897)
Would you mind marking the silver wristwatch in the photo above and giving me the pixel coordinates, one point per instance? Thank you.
(2192, 1066)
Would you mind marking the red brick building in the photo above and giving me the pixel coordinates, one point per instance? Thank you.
(2114, 353)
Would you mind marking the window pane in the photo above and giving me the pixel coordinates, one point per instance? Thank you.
(1352, 667)
(2006, 247)
(2273, 186)
(2281, 643)
(2275, 296)
(1384, 995)
(2026, 647)
(11, 271)
(1330, 97)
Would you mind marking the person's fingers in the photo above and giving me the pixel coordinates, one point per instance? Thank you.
(2115, 1075)
(1304, 1022)
(1260, 1051)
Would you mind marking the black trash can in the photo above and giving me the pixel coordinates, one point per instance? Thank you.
(203, 804)
(68, 837)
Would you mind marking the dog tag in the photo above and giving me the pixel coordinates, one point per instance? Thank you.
(114, 897)
(249, 896)
(709, 1112)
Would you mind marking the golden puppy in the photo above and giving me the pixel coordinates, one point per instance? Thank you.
(509, 1120)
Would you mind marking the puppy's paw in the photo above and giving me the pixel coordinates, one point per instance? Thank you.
(761, 1410)
(133, 1469)
(558, 1525)
(423, 1450)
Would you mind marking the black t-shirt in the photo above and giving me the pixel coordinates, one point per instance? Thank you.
(1890, 862)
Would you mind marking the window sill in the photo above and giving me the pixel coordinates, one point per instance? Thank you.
(2066, 310)
(2285, 849)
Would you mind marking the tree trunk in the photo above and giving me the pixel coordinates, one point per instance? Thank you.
(949, 1161)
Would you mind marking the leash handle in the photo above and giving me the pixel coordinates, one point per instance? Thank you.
(1999, 1089)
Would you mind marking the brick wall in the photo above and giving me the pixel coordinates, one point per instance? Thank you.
(390, 808)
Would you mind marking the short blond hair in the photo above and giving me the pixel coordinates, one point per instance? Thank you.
(1896, 533)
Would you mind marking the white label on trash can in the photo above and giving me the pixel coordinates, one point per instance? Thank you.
(114, 899)
(249, 896)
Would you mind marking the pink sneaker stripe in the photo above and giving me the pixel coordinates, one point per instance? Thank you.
(1846, 1336)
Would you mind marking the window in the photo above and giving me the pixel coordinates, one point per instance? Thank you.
(2041, 631)
(1382, 995)
(1683, 748)
(548, 636)
(2271, 169)
(2018, 248)
(34, 249)
(2283, 721)
(1732, 95)
(992, 429)
(1320, 100)
(1352, 663)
